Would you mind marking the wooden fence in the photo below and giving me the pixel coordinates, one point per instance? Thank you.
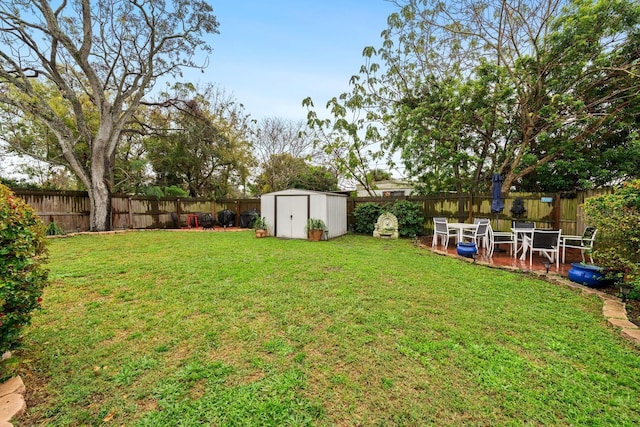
(558, 210)
(70, 209)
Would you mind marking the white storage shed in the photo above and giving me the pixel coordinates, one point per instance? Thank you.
(286, 212)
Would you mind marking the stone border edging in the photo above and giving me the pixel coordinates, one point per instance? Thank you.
(12, 401)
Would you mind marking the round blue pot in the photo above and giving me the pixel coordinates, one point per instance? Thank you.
(467, 249)
(587, 274)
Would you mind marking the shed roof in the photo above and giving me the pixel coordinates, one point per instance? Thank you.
(298, 192)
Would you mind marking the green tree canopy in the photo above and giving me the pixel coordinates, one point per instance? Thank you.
(201, 145)
(464, 89)
(284, 171)
(100, 59)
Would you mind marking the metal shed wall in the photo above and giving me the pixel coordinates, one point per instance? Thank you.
(329, 207)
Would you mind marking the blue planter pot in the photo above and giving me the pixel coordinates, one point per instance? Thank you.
(467, 249)
(588, 275)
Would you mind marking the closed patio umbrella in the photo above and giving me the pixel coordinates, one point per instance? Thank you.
(497, 205)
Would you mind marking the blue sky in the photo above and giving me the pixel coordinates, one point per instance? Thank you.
(272, 54)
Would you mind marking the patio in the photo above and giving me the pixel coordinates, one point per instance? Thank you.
(502, 258)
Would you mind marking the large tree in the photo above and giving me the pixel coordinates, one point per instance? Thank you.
(276, 135)
(464, 89)
(350, 139)
(283, 171)
(200, 145)
(97, 56)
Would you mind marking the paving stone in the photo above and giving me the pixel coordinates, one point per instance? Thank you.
(590, 291)
(632, 334)
(614, 314)
(11, 405)
(14, 385)
(622, 323)
(615, 304)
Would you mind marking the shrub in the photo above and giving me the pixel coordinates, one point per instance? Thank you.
(410, 219)
(153, 191)
(175, 191)
(617, 246)
(53, 229)
(22, 277)
(366, 216)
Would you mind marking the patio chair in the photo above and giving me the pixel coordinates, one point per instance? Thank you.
(478, 234)
(497, 238)
(485, 240)
(519, 236)
(441, 228)
(584, 242)
(547, 242)
(523, 224)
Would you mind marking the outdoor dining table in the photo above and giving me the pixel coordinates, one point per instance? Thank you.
(460, 227)
(522, 233)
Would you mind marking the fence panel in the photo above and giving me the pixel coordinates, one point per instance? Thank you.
(70, 209)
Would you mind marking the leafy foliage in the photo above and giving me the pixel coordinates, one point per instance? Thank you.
(79, 72)
(409, 215)
(366, 215)
(18, 184)
(544, 93)
(259, 223)
(616, 216)
(201, 144)
(53, 229)
(22, 277)
(410, 219)
(284, 171)
(315, 224)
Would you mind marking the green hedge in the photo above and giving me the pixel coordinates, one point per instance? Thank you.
(22, 276)
(409, 214)
(617, 244)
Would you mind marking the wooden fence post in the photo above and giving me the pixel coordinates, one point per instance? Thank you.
(556, 211)
(130, 213)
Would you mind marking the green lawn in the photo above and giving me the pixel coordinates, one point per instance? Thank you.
(186, 329)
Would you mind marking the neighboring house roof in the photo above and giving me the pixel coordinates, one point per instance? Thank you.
(380, 187)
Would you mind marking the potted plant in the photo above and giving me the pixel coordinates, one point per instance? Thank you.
(260, 226)
(315, 228)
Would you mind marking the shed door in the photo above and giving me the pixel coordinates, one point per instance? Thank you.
(291, 216)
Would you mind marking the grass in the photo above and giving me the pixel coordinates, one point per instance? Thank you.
(183, 329)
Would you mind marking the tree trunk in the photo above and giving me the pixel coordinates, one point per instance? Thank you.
(101, 179)
(100, 200)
